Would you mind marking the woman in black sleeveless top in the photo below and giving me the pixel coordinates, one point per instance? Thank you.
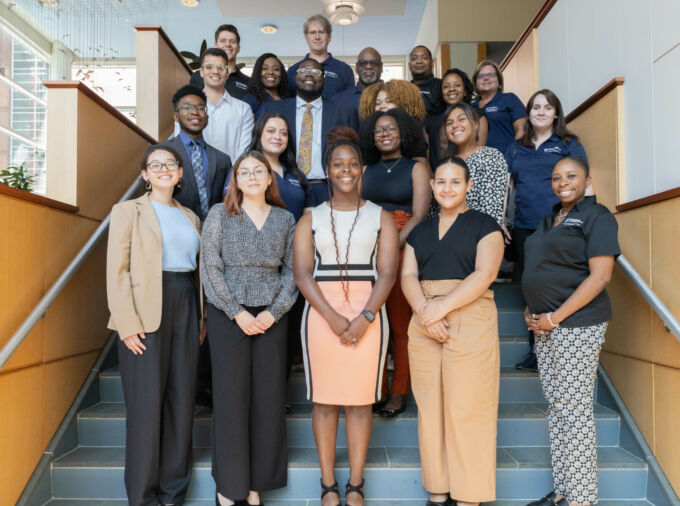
(401, 186)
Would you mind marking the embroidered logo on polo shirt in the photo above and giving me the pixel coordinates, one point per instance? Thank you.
(493, 108)
(330, 73)
(554, 149)
(241, 85)
(424, 92)
(573, 222)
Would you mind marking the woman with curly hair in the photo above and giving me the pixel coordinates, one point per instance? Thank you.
(394, 93)
(400, 185)
(268, 82)
(456, 87)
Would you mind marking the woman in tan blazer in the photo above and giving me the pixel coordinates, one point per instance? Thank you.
(151, 258)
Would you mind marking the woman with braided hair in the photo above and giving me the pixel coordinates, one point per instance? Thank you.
(345, 263)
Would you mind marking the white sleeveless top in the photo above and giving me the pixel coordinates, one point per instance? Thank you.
(363, 244)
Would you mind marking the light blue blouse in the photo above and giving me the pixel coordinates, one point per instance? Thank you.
(180, 240)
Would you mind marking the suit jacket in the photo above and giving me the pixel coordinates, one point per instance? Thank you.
(219, 165)
(134, 266)
(286, 107)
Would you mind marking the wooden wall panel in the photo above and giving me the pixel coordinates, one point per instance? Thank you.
(521, 74)
(597, 127)
(62, 133)
(65, 234)
(667, 414)
(22, 275)
(634, 380)
(62, 380)
(174, 76)
(109, 153)
(21, 435)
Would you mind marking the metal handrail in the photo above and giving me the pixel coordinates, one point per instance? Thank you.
(47, 300)
(669, 321)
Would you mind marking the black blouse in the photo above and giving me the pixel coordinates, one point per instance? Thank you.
(454, 256)
(556, 260)
(389, 183)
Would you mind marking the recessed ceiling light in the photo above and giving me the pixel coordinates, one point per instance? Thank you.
(268, 29)
(191, 3)
(50, 3)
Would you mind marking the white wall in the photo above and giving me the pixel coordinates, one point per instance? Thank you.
(583, 44)
(428, 33)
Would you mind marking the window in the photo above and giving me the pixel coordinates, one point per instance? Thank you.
(22, 107)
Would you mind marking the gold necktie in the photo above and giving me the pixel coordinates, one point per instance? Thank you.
(305, 149)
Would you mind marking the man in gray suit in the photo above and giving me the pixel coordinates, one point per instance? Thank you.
(205, 168)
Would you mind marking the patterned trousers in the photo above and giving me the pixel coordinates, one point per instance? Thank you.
(567, 363)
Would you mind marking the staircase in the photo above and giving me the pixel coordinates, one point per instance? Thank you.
(92, 473)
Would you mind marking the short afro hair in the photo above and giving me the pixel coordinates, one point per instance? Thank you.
(410, 133)
(187, 90)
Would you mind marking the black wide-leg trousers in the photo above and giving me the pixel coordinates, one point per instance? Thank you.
(159, 388)
(249, 394)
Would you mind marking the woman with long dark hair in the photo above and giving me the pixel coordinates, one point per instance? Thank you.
(152, 256)
(345, 265)
(456, 87)
(569, 261)
(268, 82)
(247, 273)
(399, 184)
(272, 138)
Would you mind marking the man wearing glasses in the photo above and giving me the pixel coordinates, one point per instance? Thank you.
(369, 69)
(339, 75)
(231, 121)
(228, 40)
(310, 117)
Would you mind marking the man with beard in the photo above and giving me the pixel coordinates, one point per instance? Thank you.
(421, 66)
(310, 118)
(369, 69)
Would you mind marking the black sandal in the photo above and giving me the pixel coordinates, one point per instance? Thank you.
(332, 489)
(349, 488)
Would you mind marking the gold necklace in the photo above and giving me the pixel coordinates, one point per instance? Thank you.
(389, 168)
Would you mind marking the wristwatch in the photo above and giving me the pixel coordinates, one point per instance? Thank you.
(369, 315)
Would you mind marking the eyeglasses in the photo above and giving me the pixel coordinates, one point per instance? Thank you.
(211, 66)
(489, 75)
(156, 167)
(191, 108)
(303, 71)
(317, 32)
(392, 129)
(257, 173)
(366, 63)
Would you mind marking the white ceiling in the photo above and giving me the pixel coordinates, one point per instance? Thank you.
(301, 8)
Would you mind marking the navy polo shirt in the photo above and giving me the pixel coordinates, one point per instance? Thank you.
(501, 111)
(531, 169)
(293, 195)
(252, 102)
(338, 76)
(347, 107)
(556, 261)
(431, 91)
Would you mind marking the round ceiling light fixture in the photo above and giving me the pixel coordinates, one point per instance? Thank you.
(191, 3)
(345, 12)
(268, 29)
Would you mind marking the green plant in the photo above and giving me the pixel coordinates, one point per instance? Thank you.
(195, 60)
(16, 177)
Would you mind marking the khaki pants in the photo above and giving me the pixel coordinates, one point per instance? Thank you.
(455, 385)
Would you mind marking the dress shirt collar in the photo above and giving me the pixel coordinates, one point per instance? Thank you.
(316, 103)
(188, 140)
(224, 98)
(578, 206)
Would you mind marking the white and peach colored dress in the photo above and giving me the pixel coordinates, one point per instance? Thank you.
(337, 374)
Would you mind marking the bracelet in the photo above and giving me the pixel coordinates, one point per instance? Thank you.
(551, 322)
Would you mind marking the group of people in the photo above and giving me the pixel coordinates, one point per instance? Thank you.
(356, 219)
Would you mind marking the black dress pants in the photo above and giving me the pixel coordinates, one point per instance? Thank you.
(158, 387)
(249, 394)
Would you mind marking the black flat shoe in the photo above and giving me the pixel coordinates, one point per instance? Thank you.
(548, 500)
(359, 489)
(377, 406)
(448, 502)
(530, 363)
(562, 502)
(332, 489)
(391, 413)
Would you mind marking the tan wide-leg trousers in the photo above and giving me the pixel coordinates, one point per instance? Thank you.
(455, 385)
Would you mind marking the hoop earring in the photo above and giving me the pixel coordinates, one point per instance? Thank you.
(179, 184)
(147, 185)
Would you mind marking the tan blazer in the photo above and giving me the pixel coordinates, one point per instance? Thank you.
(134, 266)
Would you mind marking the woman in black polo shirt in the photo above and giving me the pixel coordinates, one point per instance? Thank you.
(568, 262)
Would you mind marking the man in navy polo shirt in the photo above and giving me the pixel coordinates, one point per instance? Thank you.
(338, 75)
(228, 40)
(421, 65)
(369, 70)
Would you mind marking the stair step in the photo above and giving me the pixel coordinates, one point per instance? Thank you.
(516, 386)
(519, 424)
(508, 296)
(391, 473)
